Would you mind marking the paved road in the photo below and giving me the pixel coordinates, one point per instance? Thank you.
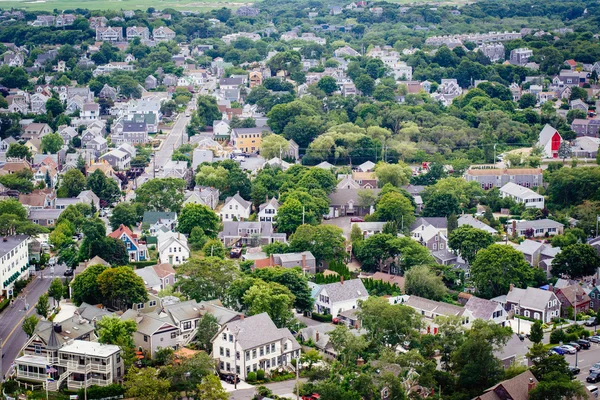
(285, 388)
(12, 317)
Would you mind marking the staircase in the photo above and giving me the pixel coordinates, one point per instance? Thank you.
(55, 385)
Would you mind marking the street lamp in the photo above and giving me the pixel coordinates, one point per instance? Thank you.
(235, 353)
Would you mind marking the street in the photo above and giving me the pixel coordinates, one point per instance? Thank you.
(12, 317)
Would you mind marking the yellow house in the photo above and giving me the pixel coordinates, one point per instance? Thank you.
(34, 146)
(255, 78)
(248, 140)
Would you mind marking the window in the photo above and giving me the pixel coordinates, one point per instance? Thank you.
(272, 347)
(247, 370)
(285, 346)
(231, 338)
(225, 336)
(221, 351)
(221, 365)
(237, 355)
(268, 349)
(152, 303)
(187, 325)
(262, 351)
(227, 353)
(254, 367)
(526, 313)
(140, 306)
(173, 335)
(254, 353)
(247, 355)
(145, 338)
(38, 349)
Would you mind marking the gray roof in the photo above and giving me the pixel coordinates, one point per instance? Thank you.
(91, 312)
(529, 247)
(414, 189)
(530, 298)
(475, 223)
(147, 323)
(435, 307)
(344, 291)
(258, 330)
(241, 131)
(230, 228)
(130, 126)
(539, 224)
(436, 222)
(231, 81)
(310, 332)
(239, 199)
(342, 196)
(10, 243)
(294, 257)
(149, 276)
(44, 214)
(481, 308)
(273, 201)
(152, 217)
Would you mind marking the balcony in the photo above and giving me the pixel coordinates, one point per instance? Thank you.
(31, 375)
(75, 385)
(74, 366)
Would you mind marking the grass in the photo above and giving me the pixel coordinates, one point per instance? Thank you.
(179, 5)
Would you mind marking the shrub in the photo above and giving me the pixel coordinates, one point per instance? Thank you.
(99, 392)
(322, 317)
(260, 375)
(251, 377)
(557, 336)
(571, 337)
(4, 304)
(585, 334)
(10, 386)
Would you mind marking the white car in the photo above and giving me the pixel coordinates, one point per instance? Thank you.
(568, 349)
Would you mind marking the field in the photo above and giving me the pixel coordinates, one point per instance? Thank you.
(179, 5)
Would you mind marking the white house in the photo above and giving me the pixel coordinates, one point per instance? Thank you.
(333, 298)
(236, 208)
(475, 223)
(14, 259)
(522, 195)
(172, 248)
(549, 140)
(252, 343)
(486, 310)
(268, 211)
(430, 309)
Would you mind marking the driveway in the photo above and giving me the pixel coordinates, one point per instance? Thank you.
(283, 389)
(341, 222)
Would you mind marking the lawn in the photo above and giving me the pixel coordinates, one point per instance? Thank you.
(179, 5)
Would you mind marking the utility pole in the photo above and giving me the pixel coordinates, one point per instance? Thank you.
(235, 374)
(297, 376)
(303, 211)
(495, 144)
(1, 370)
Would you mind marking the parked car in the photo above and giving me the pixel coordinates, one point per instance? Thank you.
(236, 252)
(68, 272)
(568, 349)
(590, 322)
(574, 370)
(558, 350)
(356, 219)
(595, 367)
(585, 344)
(574, 344)
(593, 377)
(594, 339)
(229, 378)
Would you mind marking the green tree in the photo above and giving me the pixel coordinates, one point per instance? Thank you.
(396, 174)
(289, 215)
(214, 248)
(164, 194)
(198, 215)
(365, 84)
(327, 84)
(16, 150)
(146, 384)
(56, 290)
(576, 261)
(527, 100)
(13, 207)
(395, 207)
(84, 288)
(467, 241)
(105, 188)
(272, 298)
(54, 107)
(114, 330)
(292, 278)
(498, 266)
(52, 143)
(207, 111)
(206, 279)
(273, 146)
(207, 328)
(121, 287)
(536, 335)
(441, 205)
(72, 183)
(422, 281)
(42, 308)
(347, 345)
(211, 389)
(29, 325)
(558, 387)
(197, 238)
(123, 214)
(325, 242)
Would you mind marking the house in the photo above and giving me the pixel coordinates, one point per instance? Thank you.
(141, 32)
(369, 228)
(36, 131)
(14, 262)
(235, 209)
(366, 180)
(586, 127)
(534, 303)
(333, 298)
(549, 140)
(595, 298)
(579, 104)
(439, 223)
(109, 34)
(97, 146)
(153, 220)
(268, 211)
(430, 309)
(152, 332)
(157, 277)
(585, 147)
(495, 177)
(108, 92)
(532, 250)
(38, 199)
(78, 363)
(96, 22)
(163, 34)
(319, 335)
(89, 197)
(536, 228)
(221, 130)
(44, 217)
(572, 297)
(249, 233)
(118, 159)
(172, 248)
(475, 223)
(253, 343)
(137, 251)
(248, 140)
(520, 56)
(305, 260)
(347, 202)
(67, 133)
(522, 195)
(516, 388)
(486, 310)
(255, 78)
(203, 195)
(151, 82)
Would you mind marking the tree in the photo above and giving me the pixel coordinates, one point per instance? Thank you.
(207, 328)
(467, 241)
(327, 84)
(441, 205)
(43, 306)
(114, 330)
(325, 242)
(365, 84)
(197, 238)
(16, 150)
(395, 207)
(558, 387)
(527, 100)
(56, 290)
(146, 384)
(272, 298)
(396, 174)
(576, 261)
(211, 389)
(72, 183)
(198, 215)
(273, 146)
(536, 335)
(164, 194)
(13, 207)
(52, 143)
(498, 266)
(54, 107)
(29, 325)
(292, 278)
(290, 215)
(208, 111)
(123, 214)
(422, 281)
(105, 188)
(564, 150)
(214, 248)
(121, 287)
(84, 288)
(347, 345)
(206, 279)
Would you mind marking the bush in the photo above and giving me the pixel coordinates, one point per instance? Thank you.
(10, 386)
(99, 392)
(141, 264)
(557, 336)
(322, 317)
(251, 377)
(3, 304)
(585, 334)
(260, 375)
(571, 337)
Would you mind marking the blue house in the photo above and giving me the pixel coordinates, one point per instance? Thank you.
(137, 251)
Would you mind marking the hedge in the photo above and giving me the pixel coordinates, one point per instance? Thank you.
(99, 392)
(322, 317)
(251, 377)
(142, 264)
(3, 304)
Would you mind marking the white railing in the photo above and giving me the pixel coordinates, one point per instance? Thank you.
(73, 384)
(31, 375)
(74, 366)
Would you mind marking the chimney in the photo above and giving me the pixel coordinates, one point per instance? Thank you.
(360, 362)
(317, 336)
(530, 385)
(511, 287)
(178, 235)
(303, 260)
(241, 317)
(272, 260)
(342, 279)
(514, 228)
(551, 288)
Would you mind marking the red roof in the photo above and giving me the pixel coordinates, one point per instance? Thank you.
(264, 263)
(122, 229)
(571, 62)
